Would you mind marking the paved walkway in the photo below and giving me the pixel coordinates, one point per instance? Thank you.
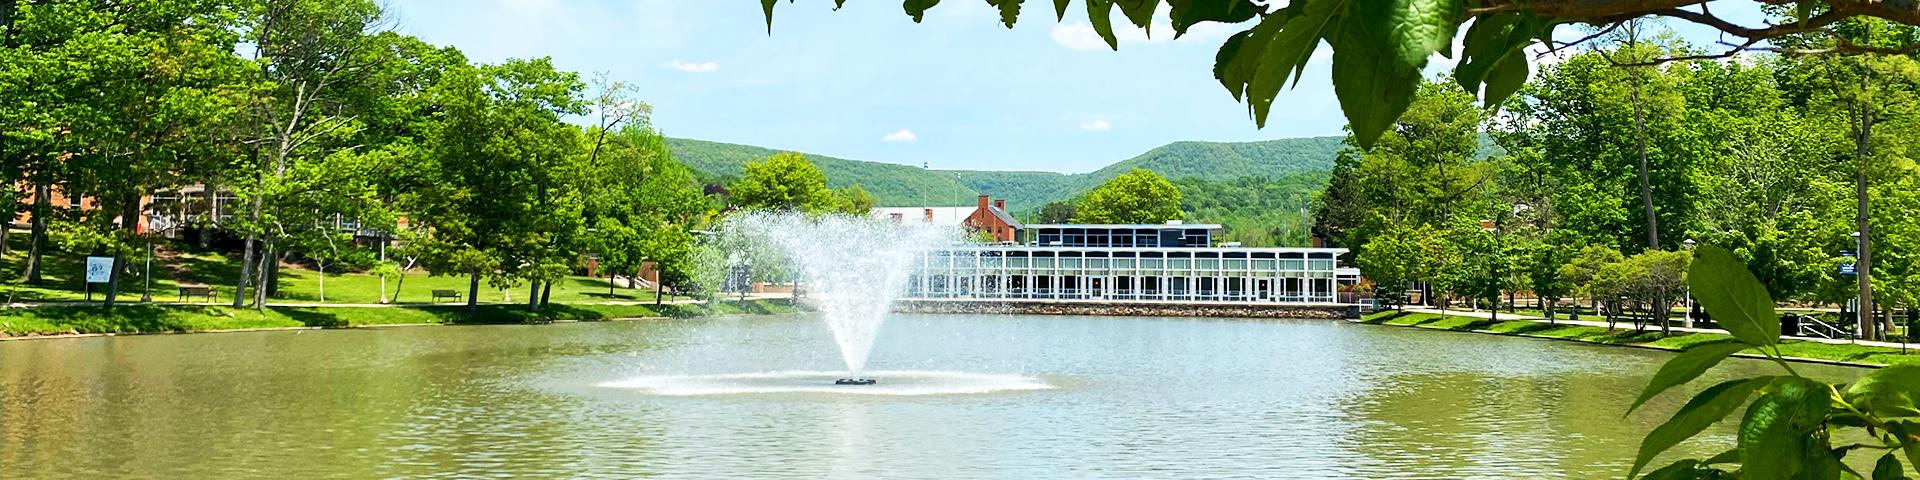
(1602, 324)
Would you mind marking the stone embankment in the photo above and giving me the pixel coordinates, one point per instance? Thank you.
(1128, 309)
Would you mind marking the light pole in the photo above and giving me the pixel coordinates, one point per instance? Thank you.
(1688, 318)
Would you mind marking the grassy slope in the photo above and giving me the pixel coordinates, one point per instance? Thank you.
(157, 318)
(1582, 333)
(63, 276)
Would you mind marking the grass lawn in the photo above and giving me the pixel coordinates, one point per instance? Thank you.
(195, 318)
(1628, 336)
(63, 273)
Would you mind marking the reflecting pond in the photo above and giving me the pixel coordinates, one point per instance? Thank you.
(1096, 397)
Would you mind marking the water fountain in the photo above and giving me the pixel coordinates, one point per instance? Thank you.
(850, 269)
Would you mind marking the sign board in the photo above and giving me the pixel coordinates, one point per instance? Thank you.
(99, 269)
(1847, 253)
(1847, 269)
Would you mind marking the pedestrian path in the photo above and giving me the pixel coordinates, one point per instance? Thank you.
(1591, 323)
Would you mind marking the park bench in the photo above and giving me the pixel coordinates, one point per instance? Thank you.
(202, 291)
(439, 294)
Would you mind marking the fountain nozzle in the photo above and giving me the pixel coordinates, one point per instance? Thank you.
(855, 381)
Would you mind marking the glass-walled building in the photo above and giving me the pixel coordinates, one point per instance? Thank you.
(1173, 262)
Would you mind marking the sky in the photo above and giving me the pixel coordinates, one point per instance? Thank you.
(957, 91)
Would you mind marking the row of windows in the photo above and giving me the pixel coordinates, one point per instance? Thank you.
(1129, 263)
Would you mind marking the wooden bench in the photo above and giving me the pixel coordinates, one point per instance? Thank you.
(439, 294)
(202, 291)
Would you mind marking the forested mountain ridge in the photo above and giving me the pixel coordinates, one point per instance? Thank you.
(903, 185)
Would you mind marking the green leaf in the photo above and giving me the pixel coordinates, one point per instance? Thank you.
(1729, 456)
(1484, 45)
(1887, 392)
(1187, 13)
(1373, 85)
(1100, 13)
(1233, 68)
(1421, 27)
(1009, 10)
(1888, 468)
(1140, 12)
(1737, 300)
(767, 7)
(1506, 78)
(1685, 367)
(1060, 9)
(1711, 405)
(918, 8)
(1905, 432)
(1774, 434)
(1685, 470)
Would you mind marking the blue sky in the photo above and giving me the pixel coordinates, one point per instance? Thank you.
(957, 91)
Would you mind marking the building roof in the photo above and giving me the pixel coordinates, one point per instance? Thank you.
(1136, 226)
(1005, 218)
(941, 215)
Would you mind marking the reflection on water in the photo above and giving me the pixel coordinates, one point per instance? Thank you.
(1129, 398)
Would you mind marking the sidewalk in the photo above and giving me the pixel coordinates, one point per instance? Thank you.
(1590, 323)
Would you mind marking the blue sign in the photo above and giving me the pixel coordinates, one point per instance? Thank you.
(1847, 269)
(1847, 253)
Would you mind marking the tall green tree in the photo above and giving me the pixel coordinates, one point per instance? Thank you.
(498, 194)
(1139, 196)
(785, 181)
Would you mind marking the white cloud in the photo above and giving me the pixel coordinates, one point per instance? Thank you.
(691, 67)
(903, 135)
(1082, 36)
(1100, 125)
(1078, 36)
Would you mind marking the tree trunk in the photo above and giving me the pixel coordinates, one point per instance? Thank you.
(1863, 271)
(146, 292)
(473, 295)
(323, 280)
(658, 288)
(1646, 182)
(6, 237)
(546, 292)
(129, 221)
(383, 261)
(273, 272)
(262, 272)
(246, 272)
(1660, 312)
(533, 296)
(37, 239)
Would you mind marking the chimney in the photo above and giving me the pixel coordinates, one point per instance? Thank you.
(983, 201)
(1000, 204)
(929, 215)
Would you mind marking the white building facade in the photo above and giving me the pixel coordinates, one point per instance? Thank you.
(1131, 263)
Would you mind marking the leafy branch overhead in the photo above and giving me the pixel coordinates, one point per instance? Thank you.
(1381, 46)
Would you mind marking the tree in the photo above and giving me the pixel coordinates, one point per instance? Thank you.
(498, 194)
(853, 200)
(1546, 274)
(1139, 196)
(785, 181)
(1055, 212)
(1863, 91)
(1585, 268)
(1398, 257)
(1380, 47)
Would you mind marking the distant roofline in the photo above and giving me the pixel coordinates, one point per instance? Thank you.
(1137, 226)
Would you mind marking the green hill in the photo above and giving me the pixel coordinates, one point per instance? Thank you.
(902, 185)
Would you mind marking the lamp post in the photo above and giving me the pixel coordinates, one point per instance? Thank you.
(1688, 317)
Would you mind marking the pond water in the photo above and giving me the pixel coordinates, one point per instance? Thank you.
(971, 396)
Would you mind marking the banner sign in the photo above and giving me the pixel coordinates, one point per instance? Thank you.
(99, 269)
